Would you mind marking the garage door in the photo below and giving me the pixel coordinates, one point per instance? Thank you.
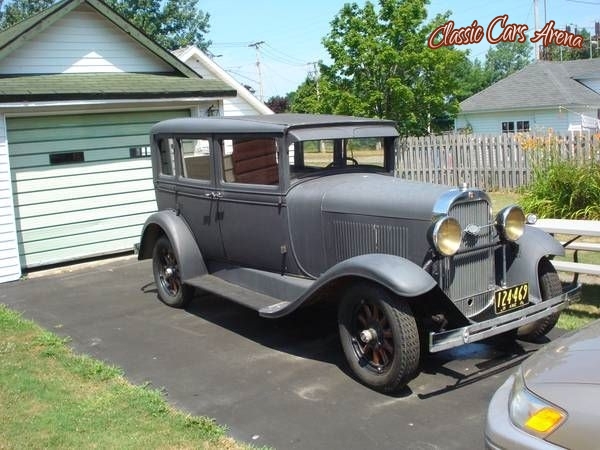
(82, 184)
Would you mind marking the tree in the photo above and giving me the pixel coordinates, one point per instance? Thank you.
(505, 58)
(555, 52)
(171, 23)
(382, 67)
(17, 10)
(278, 103)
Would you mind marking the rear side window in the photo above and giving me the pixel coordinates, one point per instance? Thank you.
(196, 158)
(250, 161)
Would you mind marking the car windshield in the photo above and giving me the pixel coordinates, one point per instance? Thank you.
(310, 157)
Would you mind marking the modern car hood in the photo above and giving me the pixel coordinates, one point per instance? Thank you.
(570, 359)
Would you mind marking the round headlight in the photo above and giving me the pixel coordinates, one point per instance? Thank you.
(510, 222)
(446, 235)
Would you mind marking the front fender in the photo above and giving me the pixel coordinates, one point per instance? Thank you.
(525, 257)
(401, 276)
(189, 257)
(397, 274)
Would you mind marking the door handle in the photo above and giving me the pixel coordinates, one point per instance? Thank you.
(214, 195)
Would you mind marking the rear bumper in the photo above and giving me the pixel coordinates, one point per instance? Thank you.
(444, 340)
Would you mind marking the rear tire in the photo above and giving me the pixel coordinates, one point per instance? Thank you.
(379, 336)
(165, 267)
(550, 286)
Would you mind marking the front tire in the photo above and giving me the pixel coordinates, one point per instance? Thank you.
(550, 286)
(379, 336)
(171, 289)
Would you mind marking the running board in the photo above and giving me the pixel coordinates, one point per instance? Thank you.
(264, 304)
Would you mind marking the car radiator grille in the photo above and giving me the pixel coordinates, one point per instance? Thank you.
(469, 277)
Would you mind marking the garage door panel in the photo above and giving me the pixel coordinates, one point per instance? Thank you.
(30, 223)
(85, 194)
(80, 209)
(77, 252)
(78, 240)
(90, 181)
(70, 145)
(91, 120)
(34, 136)
(72, 229)
(48, 208)
(80, 169)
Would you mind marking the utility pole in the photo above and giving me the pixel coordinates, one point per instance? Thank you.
(256, 46)
(316, 73)
(535, 27)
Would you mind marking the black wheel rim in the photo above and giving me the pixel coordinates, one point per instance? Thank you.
(168, 272)
(372, 337)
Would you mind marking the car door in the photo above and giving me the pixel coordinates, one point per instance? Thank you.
(252, 214)
(196, 194)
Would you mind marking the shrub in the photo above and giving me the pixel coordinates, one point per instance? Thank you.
(562, 188)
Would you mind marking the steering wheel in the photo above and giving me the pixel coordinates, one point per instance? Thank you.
(346, 158)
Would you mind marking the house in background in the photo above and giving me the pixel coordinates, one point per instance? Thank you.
(561, 96)
(245, 103)
(80, 88)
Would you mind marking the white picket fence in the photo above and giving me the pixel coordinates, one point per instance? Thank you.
(491, 162)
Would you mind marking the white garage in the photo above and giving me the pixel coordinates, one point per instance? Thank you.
(79, 90)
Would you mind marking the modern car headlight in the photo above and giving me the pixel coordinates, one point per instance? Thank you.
(510, 222)
(445, 235)
(531, 413)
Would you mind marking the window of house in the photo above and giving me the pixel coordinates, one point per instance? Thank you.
(66, 157)
(139, 152)
(520, 126)
(508, 127)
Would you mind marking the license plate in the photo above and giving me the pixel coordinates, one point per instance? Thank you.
(511, 298)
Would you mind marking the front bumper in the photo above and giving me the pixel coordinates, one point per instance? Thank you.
(443, 340)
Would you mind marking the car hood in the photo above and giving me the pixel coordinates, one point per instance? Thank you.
(571, 359)
(369, 194)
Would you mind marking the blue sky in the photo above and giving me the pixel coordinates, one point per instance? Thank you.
(292, 31)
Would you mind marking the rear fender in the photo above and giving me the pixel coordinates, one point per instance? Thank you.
(167, 222)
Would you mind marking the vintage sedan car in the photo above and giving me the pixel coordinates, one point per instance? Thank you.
(278, 212)
(551, 402)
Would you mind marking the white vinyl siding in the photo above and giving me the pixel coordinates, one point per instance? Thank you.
(10, 268)
(78, 210)
(82, 42)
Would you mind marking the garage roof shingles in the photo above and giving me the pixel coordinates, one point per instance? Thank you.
(87, 86)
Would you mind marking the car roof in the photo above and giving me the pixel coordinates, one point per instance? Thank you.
(280, 124)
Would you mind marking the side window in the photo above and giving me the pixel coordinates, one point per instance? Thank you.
(250, 161)
(196, 158)
(166, 148)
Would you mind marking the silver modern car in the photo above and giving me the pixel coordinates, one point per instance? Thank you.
(553, 400)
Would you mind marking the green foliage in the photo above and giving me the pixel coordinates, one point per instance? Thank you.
(13, 12)
(505, 58)
(555, 52)
(561, 188)
(171, 23)
(382, 67)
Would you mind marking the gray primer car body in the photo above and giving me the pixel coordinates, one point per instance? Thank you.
(304, 234)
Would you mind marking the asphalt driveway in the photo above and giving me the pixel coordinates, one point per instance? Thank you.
(277, 383)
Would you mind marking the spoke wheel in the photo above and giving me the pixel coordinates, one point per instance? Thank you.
(550, 286)
(379, 336)
(170, 288)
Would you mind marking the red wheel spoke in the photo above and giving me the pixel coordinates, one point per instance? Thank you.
(362, 320)
(388, 347)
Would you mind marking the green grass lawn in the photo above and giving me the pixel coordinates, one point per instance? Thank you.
(52, 398)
